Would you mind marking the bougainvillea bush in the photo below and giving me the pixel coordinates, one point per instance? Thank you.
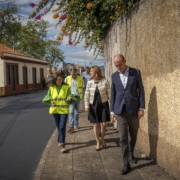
(89, 20)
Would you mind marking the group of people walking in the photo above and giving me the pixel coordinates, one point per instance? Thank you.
(125, 96)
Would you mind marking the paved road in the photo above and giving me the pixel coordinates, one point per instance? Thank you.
(25, 128)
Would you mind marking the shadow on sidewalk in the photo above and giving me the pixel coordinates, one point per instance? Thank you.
(80, 145)
(84, 144)
(143, 165)
(81, 129)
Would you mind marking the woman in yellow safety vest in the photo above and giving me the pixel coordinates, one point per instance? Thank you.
(59, 98)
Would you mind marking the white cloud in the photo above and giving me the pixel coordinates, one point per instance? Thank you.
(23, 1)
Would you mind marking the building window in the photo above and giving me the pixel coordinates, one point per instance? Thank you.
(12, 78)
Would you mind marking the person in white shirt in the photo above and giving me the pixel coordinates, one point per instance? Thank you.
(76, 84)
(86, 75)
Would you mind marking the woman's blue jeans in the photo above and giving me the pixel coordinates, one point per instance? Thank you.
(61, 120)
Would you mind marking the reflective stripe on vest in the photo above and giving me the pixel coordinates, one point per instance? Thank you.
(56, 99)
(79, 82)
(61, 106)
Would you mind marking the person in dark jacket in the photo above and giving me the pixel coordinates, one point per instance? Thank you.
(127, 106)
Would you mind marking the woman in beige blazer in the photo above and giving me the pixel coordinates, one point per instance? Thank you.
(97, 95)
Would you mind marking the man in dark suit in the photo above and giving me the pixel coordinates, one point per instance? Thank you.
(127, 107)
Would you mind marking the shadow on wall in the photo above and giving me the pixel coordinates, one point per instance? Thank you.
(153, 124)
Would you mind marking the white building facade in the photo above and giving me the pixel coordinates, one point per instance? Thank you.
(19, 73)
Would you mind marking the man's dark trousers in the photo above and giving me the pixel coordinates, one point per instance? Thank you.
(127, 121)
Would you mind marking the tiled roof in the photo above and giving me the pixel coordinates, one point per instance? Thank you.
(5, 49)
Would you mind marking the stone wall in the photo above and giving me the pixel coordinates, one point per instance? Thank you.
(149, 38)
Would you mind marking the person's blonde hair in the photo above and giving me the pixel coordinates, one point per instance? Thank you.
(98, 72)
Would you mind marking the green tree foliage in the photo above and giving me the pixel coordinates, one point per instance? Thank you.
(9, 26)
(32, 39)
(53, 54)
(89, 20)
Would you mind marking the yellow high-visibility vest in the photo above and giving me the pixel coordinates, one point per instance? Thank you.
(79, 83)
(61, 105)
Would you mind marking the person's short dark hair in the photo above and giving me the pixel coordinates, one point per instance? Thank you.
(73, 69)
(121, 56)
(87, 67)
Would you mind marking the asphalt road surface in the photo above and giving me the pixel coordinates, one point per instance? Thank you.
(25, 128)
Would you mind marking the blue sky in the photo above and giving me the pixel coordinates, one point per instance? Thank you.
(74, 54)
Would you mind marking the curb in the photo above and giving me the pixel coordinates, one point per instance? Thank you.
(38, 172)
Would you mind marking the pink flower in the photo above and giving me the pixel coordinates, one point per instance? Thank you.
(32, 5)
(38, 17)
(62, 17)
(46, 10)
(70, 42)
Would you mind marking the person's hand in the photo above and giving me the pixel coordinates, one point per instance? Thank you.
(140, 114)
(69, 99)
(113, 119)
(52, 103)
(87, 109)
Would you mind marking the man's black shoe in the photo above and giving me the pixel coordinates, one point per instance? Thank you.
(125, 169)
(131, 158)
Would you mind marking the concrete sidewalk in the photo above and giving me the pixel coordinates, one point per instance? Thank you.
(83, 162)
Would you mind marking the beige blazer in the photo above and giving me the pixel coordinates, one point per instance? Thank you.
(104, 90)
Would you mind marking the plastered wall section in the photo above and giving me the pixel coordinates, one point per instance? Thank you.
(149, 38)
(1, 73)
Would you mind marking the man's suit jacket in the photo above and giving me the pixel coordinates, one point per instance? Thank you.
(133, 94)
